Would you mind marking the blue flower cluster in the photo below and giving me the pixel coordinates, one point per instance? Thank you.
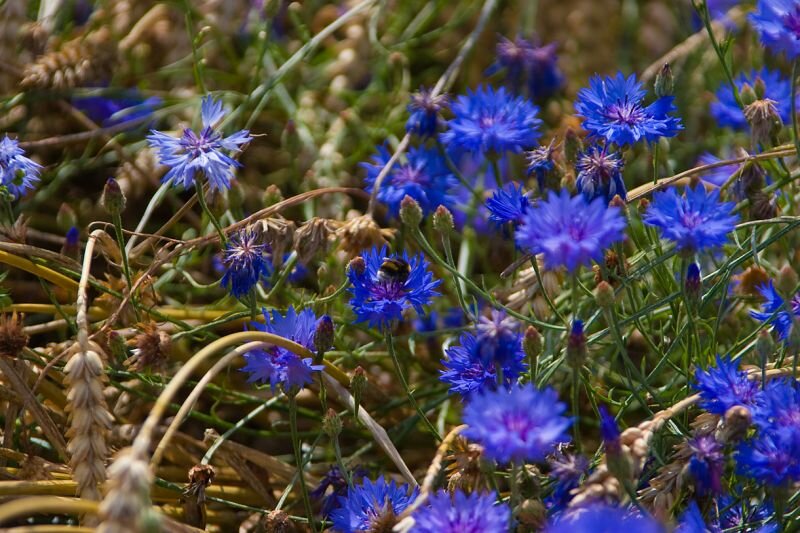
(280, 366)
(18, 174)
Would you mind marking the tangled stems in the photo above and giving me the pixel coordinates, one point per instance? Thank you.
(298, 457)
(117, 219)
(201, 198)
(404, 382)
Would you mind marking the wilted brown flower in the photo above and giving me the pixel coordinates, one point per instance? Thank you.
(361, 233)
(313, 238)
(12, 337)
(151, 349)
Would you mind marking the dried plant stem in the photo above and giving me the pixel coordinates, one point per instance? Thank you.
(188, 404)
(406, 521)
(32, 404)
(378, 433)
(45, 504)
(40, 271)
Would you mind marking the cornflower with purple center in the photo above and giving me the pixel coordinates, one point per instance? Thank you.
(541, 163)
(771, 457)
(773, 311)
(526, 63)
(246, 261)
(570, 231)
(200, 154)
(778, 25)
(508, 204)
(424, 177)
(600, 174)
(706, 464)
(18, 174)
(724, 386)
(612, 108)
(727, 111)
(462, 513)
(276, 364)
(694, 221)
(520, 424)
(425, 113)
(472, 365)
(491, 122)
(381, 300)
(372, 506)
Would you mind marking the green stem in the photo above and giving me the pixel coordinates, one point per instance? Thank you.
(496, 171)
(404, 382)
(793, 106)
(337, 450)
(576, 394)
(126, 269)
(448, 253)
(514, 484)
(550, 304)
(298, 458)
(201, 198)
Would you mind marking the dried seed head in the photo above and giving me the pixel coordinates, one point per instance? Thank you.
(152, 349)
(313, 238)
(357, 265)
(200, 477)
(279, 234)
(278, 522)
(764, 119)
(751, 279)
(12, 337)
(361, 233)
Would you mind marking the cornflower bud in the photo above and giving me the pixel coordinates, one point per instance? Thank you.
(443, 220)
(410, 211)
(576, 345)
(113, 199)
(665, 81)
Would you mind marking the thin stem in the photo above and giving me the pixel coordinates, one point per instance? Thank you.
(793, 106)
(498, 178)
(576, 414)
(514, 483)
(550, 304)
(402, 377)
(126, 269)
(201, 198)
(448, 253)
(337, 450)
(298, 458)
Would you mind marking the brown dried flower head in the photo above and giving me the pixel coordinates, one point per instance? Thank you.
(277, 522)
(151, 349)
(12, 337)
(313, 238)
(751, 279)
(361, 233)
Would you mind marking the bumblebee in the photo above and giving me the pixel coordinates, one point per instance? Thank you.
(394, 269)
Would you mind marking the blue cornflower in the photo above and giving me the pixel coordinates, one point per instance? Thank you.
(372, 506)
(727, 112)
(468, 371)
(278, 365)
(381, 300)
(600, 174)
(724, 386)
(612, 109)
(717, 176)
(695, 221)
(508, 204)
(202, 153)
(570, 231)
(424, 177)
(18, 174)
(778, 25)
(782, 320)
(566, 470)
(461, 513)
(541, 163)
(335, 480)
(527, 64)
(425, 118)
(603, 518)
(521, 424)
(733, 515)
(246, 261)
(772, 456)
(114, 110)
(492, 121)
(691, 521)
(706, 464)
(778, 406)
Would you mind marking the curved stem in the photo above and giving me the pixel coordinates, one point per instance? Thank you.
(298, 457)
(201, 198)
(404, 382)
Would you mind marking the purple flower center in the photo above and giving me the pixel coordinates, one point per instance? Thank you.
(624, 112)
(408, 175)
(388, 290)
(196, 145)
(516, 423)
(791, 21)
(691, 220)
(487, 122)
